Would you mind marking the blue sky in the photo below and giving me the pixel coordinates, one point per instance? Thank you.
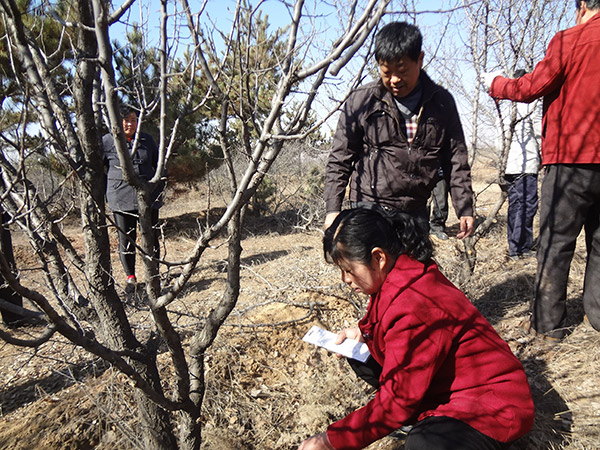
(325, 25)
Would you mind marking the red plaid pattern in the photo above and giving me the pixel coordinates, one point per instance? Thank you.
(411, 128)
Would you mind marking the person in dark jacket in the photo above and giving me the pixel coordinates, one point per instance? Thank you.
(436, 362)
(395, 134)
(122, 198)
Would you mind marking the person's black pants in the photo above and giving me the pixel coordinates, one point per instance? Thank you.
(439, 206)
(432, 433)
(126, 222)
(570, 201)
(446, 433)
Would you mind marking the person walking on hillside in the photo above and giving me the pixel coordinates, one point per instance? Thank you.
(393, 136)
(521, 176)
(122, 198)
(567, 79)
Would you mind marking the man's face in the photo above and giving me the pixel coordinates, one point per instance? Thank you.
(400, 77)
(130, 123)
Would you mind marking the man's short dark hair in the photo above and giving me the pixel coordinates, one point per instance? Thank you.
(396, 40)
(591, 4)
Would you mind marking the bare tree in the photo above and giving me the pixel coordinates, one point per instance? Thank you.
(80, 299)
(503, 35)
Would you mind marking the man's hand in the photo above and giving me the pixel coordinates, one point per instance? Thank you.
(466, 227)
(316, 442)
(488, 77)
(329, 218)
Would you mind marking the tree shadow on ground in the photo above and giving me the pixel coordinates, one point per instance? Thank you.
(30, 391)
(553, 418)
(192, 224)
(520, 289)
(502, 297)
(263, 257)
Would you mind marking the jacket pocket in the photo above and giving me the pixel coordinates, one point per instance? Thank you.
(431, 136)
(380, 129)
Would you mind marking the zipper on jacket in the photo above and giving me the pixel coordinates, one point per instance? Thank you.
(395, 117)
(417, 127)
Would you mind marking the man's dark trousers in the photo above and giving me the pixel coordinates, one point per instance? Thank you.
(570, 201)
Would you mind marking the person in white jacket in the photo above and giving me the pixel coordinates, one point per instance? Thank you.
(521, 175)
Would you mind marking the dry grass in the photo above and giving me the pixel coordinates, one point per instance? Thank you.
(269, 390)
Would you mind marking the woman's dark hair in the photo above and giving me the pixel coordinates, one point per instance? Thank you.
(356, 232)
(396, 40)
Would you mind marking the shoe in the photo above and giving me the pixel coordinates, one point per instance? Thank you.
(131, 284)
(586, 320)
(401, 432)
(526, 326)
(439, 234)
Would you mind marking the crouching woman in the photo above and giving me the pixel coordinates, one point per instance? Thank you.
(437, 364)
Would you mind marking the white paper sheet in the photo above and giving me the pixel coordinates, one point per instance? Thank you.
(326, 339)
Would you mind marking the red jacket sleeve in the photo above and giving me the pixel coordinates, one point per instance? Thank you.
(413, 353)
(546, 78)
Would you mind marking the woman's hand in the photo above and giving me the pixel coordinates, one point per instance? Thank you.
(349, 333)
(316, 442)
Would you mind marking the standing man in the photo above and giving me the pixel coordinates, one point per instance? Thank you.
(122, 198)
(568, 80)
(393, 136)
(521, 176)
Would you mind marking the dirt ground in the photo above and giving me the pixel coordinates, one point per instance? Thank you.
(267, 389)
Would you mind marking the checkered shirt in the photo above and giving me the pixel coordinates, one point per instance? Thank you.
(411, 128)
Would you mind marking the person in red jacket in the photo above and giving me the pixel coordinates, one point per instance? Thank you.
(567, 78)
(436, 361)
